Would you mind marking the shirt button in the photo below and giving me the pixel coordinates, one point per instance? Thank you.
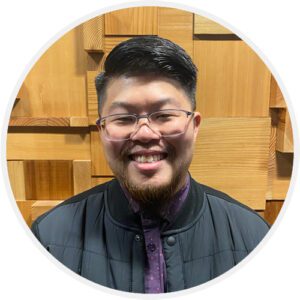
(151, 247)
(138, 237)
(171, 240)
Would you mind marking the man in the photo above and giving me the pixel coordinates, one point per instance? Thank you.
(153, 229)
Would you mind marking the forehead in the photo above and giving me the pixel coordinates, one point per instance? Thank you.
(135, 94)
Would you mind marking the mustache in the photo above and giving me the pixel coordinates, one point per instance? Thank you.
(137, 146)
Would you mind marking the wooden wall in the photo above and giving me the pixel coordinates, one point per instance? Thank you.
(245, 144)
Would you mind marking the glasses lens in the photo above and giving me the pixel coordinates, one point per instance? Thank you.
(119, 127)
(169, 122)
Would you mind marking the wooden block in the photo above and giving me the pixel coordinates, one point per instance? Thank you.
(93, 34)
(100, 180)
(272, 210)
(232, 81)
(177, 26)
(204, 25)
(284, 132)
(25, 210)
(100, 166)
(132, 21)
(231, 155)
(55, 86)
(276, 96)
(41, 122)
(92, 97)
(17, 179)
(81, 175)
(113, 41)
(50, 180)
(40, 207)
(52, 145)
(79, 121)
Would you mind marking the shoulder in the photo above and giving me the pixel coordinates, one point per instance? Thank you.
(69, 213)
(229, 215)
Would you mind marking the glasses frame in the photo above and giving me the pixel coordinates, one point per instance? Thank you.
(138, 117)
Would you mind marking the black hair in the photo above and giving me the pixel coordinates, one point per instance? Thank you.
(149, 55)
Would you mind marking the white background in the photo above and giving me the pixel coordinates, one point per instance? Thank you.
(27, 29)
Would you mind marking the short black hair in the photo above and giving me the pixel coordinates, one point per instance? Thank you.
(149, 55)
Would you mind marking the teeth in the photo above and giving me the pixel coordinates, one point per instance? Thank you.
(147, 158)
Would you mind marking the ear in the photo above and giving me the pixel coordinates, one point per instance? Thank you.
(196, 122)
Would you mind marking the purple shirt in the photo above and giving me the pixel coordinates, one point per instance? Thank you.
(155, 269)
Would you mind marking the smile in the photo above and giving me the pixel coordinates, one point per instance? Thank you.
(148, 158)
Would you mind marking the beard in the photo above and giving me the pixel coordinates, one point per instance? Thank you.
(151, 198)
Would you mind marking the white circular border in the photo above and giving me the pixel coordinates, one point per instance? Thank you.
(197, 11)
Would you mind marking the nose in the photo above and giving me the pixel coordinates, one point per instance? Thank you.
(144, 133)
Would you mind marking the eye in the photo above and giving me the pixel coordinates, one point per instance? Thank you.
(164, 116)
(123, 120)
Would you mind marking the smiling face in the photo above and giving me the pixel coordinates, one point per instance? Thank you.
(148, 165)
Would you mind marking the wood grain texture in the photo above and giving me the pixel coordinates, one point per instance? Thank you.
(113, 41)
(232, 80)
(276, 96)
(284, 132)
(55, 86)
(49, 180)
(231, 155)
(41, 207)
(17, 178)
(272, 210)
(30, 121)
(81, 175)
(48, 145)
(177, 26)
(204, 25)
(132, 21)
(92, 97)
(93, 34)
(25, 210)
(100, 166)
(100, 180)
(79, 121)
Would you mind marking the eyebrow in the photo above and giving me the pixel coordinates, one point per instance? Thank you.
(129, 106)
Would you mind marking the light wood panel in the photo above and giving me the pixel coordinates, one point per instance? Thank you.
(92, 97)
(113, 41)
(55, 85)
(49, 180)
(100, 180)
(284, 132)
(79, 121)
(132, 21)
(231, 155)
(93, 34)
(25, 209)
(32, 122)
(276, 96)
(177, 26)
(40, 207)
(100, 166)
(81, 175)
(17, 178)
(48, 145)
(232, 80)
(204, 25)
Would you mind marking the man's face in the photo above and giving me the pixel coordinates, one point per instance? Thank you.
(172, 156)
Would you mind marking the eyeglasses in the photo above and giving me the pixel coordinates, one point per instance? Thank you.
(166, 122)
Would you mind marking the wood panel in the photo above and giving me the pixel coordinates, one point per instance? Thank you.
(92, 97)
(48, 145)
(132, 21)
(100, 180)
(276, 96)
(284, 132)
(177, 26)
(17, 178)
(25, 209)
(272, 210)
(231, 155)
(93, 34)
(81, 175)
(113, 41)
(100, 166)
(31, 121)
(204, 25)
(49, 180)
(40, 207)
(232, 80)
(55, 86)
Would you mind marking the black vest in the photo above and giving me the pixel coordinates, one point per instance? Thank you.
(97, 235)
